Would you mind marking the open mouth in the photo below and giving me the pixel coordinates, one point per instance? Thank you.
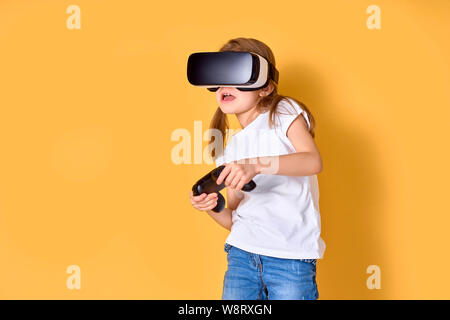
(227, 97)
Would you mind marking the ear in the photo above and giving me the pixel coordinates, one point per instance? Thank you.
(267, 90)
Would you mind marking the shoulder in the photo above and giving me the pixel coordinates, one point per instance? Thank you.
(288, 106)
(287, 111)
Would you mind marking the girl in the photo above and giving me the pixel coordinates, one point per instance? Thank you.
(275, 229)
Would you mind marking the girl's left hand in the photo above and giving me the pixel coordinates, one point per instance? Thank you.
(237, 174)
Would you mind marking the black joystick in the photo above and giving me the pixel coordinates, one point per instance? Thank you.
(208, 185)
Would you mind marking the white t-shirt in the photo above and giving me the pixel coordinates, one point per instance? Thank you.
(280, 217)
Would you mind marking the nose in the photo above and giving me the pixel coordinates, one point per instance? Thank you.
(226, 88)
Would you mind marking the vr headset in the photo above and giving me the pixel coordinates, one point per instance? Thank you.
(246, 71)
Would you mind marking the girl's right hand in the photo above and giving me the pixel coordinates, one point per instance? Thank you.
(203, 202)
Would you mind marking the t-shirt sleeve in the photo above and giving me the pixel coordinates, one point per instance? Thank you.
(219, 161)
(287, 113)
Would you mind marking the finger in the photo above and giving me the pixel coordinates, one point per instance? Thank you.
(230, 178)
(223, 174)
(211, 196)
(202, 202)
(241, 183)
(207, 206)
(236, 180)
(206, 202)
(211, 207)
(199, 197)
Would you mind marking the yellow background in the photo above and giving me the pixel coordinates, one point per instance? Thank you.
(86, 175)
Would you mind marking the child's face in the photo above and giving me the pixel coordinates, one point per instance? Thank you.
(243, 100)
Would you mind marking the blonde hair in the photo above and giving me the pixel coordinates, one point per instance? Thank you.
(269, 102)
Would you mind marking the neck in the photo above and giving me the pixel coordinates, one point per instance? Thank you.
(248, 116)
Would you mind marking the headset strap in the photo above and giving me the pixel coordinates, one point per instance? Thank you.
(273, 73)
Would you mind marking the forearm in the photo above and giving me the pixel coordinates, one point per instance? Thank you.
(223, 218)
(293, 164)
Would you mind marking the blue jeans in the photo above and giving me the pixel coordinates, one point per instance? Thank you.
(252, 276)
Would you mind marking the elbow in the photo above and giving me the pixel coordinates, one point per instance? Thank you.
(319, 166)
(320, 169)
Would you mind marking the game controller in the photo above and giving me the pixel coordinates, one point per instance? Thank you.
(208, 184)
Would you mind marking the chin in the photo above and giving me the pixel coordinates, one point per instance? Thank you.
(227, 109)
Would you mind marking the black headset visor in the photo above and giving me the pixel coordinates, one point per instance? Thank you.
(246, 71)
